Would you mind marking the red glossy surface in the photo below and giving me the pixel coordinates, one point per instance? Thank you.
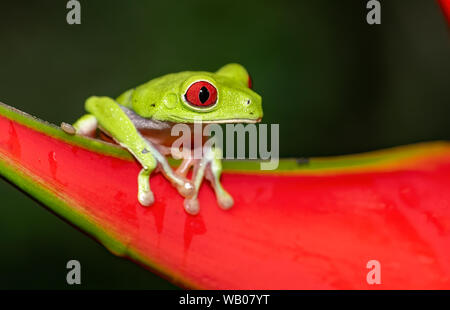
(293, 231)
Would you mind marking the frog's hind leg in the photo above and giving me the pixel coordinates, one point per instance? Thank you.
(213, 173)
(210, 166)
(191, 204)
(186, 165)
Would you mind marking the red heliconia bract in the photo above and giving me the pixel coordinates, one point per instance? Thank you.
(307, 225)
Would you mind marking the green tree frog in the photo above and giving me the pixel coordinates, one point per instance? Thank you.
(141, 120)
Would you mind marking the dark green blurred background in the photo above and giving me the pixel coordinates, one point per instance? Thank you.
(334, 84)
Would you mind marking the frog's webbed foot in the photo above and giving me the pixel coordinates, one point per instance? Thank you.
(224, 199)
(209, 166)
(191, 205)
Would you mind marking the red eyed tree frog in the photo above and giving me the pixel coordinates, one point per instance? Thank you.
(141, 120)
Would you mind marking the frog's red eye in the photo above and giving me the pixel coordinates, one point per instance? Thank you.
(250, 82)
(201, 94)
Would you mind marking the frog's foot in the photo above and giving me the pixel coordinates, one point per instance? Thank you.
(213, 174)
(146, 198)
(209, 166)
(85, 126)
(225, 201)
(186, 189)
(183, 185)
(145, 195)
(67, 128)
(191, 205)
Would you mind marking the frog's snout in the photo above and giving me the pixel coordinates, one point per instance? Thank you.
(253, 107)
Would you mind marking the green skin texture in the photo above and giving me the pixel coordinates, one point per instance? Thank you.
(163, 99)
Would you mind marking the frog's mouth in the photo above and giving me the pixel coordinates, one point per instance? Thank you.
(152, 124)
(230, 121)
(216, 121)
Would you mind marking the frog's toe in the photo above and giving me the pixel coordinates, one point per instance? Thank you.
(187, 189)
(67, 128)
(191, 206)
(225, 200)
(146, 198)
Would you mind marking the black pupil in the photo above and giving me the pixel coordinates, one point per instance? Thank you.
(203, 95)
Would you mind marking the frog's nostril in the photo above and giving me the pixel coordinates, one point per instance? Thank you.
(248, 102)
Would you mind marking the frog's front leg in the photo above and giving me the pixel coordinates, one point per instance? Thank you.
(113, 120)
(86, 126)
(210, 166)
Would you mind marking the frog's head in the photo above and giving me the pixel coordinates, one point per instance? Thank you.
(221, 97)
